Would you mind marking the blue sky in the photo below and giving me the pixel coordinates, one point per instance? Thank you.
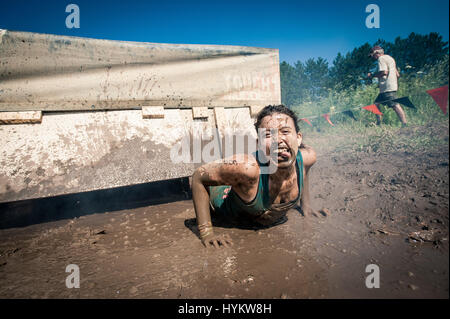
(299, 29)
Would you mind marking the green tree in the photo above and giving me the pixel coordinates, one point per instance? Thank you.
(317, 77)
(290, 85)
(416, 52)
(350, 71)
(312, 80)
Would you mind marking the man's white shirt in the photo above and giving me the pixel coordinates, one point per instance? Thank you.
(387, 83)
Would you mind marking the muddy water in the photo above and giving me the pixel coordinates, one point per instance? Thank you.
(385, 209)
(154, 252)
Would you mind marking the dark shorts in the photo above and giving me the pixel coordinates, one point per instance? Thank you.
(386, 98)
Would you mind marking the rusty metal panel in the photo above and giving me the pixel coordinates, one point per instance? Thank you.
(72, 152)
(153, 112)
(75, 152)
(60, 73)
(20, 117)
(97, 131)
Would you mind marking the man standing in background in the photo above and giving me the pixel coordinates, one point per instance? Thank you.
(387, 75)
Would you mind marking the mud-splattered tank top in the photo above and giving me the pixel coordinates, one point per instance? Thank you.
(226, 202)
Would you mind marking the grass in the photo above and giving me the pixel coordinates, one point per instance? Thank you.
(428, 126)
(381, 139)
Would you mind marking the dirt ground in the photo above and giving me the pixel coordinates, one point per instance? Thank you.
(384, 208)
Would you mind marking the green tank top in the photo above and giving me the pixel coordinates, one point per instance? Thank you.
(226, 202)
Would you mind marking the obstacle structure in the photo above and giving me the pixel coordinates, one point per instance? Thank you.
(79, 114)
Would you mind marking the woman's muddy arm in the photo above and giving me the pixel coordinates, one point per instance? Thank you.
(200, 198)
(236, 171)
(305, 202)
(309, 158)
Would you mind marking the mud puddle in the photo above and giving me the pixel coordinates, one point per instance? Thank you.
(383, 209)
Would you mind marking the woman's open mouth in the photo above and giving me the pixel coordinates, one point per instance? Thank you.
(283, 152)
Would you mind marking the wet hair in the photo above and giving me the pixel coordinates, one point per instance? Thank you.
(272, 109)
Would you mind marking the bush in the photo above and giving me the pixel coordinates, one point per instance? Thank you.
(414, 86)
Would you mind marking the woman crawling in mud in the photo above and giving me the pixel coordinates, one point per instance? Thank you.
(237, 187)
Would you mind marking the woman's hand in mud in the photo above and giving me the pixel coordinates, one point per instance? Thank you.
(307, 211)
(217, 241)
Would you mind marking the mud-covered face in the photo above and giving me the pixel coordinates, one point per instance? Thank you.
(279, 129)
